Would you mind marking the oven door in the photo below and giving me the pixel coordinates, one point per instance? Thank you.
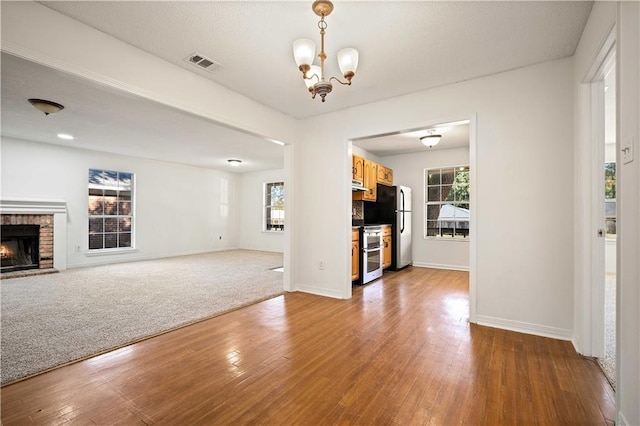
(371, 264)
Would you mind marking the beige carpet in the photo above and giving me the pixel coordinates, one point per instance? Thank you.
(51, 320)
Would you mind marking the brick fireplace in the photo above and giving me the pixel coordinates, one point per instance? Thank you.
(44, 224)
(34, 233)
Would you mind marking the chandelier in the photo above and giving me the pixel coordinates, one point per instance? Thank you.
(304, 51)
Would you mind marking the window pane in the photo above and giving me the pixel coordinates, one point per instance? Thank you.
(95, 177)
(433, 211)
(110, 202)
(433, 193)
(124, 224)
(462, 228)
(610, 181)
(95, 241)
(447, 176)
(110, 224)
(124, 239)
(124, 195)
(432, 228)
(110, 240)
(96, 225)
(448, 193)
(125, 181)
(110, 179)
(461, 186)
(433, 177)
(96, 205)
(125, 208)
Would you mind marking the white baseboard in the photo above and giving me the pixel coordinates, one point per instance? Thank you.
(440, 266)
(576, 346)
(335, 294)
(525, 327)
(135, 258)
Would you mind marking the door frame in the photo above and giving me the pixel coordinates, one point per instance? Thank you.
(590, 341)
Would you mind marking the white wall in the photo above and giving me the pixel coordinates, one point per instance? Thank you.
(524, 148)
(366, 154)
(251, 198)
(178, 209)
(408, 170)
(628, 131)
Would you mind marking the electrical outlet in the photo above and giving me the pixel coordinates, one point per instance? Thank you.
(77, 248)
(220, 237)
(321, 265)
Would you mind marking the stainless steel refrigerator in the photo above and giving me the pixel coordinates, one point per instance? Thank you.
(393, 206)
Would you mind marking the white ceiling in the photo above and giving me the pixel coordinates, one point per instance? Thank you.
(105, 119)
(404, 47)
(454, 135)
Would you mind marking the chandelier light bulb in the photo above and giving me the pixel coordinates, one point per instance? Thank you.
(304, 52)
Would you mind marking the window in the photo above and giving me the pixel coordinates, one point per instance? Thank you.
(447, 203)
(273, 206)
(110, 209)
(610, 199)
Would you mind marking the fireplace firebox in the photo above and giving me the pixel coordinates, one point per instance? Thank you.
(20, 247)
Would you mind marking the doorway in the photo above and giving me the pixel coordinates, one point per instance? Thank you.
(604, 214)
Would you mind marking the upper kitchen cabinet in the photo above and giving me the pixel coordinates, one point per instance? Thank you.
(370, 182)
(358, 169)
(385, 175)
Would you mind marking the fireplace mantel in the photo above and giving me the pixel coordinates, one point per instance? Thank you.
(32, 206)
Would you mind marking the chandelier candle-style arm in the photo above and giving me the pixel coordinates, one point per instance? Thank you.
(304, 52)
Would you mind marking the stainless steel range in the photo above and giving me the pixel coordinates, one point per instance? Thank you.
(371, 253)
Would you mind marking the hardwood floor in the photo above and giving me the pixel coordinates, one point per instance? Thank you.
(401, 351)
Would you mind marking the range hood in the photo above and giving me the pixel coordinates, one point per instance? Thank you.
(357, 186)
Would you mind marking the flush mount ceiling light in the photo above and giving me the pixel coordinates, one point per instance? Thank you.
(431, 139)
(48, 107)
(234, 162)
(304, 51)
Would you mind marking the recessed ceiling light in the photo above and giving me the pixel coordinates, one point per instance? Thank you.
(65, 136)
(234, 162)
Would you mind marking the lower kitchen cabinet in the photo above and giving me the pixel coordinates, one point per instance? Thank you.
(355, 254)
(386, 246)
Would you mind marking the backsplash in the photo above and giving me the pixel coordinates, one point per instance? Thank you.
(357, 210)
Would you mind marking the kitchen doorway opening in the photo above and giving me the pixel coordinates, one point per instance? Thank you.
(403, 152)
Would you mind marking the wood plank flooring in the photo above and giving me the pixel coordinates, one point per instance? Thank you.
(400, 352)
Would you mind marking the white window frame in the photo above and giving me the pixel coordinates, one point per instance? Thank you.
(117, 216)
(441, 202)
(268, 206)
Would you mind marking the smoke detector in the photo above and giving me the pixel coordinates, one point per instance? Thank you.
(202, 62)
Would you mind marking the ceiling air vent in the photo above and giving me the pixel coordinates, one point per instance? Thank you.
(203, 62)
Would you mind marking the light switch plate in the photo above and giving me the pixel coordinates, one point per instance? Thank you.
(627, 150)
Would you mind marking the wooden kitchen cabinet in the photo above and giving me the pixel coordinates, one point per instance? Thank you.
(386, 246)
(370, 182)
(358, 169)
(355, 254)
(384, 175)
